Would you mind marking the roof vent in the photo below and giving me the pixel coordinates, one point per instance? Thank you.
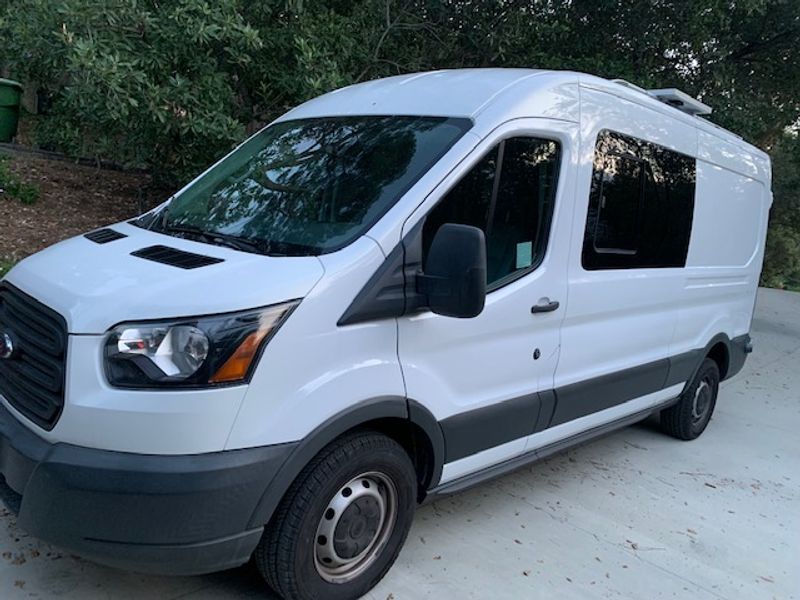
(176, 258)
(681, 100)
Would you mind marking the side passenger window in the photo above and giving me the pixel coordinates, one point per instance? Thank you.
(619, 210)
(509, 194)
(641, 205)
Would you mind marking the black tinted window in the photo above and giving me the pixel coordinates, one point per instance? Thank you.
(509, 195)
(618, 222)
(640, 206)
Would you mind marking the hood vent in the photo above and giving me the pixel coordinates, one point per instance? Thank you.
(175, 257)
(103, 236)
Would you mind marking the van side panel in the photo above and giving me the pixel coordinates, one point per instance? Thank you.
(727, 245)
(727, 219)
(616, 319)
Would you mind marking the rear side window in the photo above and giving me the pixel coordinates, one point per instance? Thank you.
(619, 211)
(509, 194)
(640, 206)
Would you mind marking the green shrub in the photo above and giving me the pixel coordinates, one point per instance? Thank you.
(782, 255)
(13, 187)
(140, 82)
(782, 258)
(5, 267)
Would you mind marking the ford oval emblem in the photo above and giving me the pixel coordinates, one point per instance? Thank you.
(6, 345)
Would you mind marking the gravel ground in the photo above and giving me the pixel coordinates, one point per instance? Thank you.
(635, 514)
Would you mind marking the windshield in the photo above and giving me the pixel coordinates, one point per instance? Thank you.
(309, 187)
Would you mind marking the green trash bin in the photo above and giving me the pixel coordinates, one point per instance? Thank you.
(10, 93)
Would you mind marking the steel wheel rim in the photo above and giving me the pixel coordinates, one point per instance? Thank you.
(355, 526)
(701, 403)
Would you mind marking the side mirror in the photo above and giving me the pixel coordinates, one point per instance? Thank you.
(454, 274)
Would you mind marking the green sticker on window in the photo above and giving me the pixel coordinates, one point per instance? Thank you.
(524, 255)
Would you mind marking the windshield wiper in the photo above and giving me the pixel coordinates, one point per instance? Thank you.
(281, 248)
(220, 239)
(257, 246)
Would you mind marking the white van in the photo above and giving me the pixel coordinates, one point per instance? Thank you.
(395, 291)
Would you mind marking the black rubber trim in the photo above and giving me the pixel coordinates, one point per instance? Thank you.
(387, 407)
(483, 428)
(383, 296)
(596, 394)
(548, 402)
(683, 366)
(473, 479)
(422, 418)
(199, 558)
(392, 291)
(474, 431)
(738, 349)
(163, 514)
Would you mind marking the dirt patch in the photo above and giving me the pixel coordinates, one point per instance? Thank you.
(73, 199)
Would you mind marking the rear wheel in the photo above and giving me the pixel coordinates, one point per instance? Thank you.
(343, 522)
(689, 417)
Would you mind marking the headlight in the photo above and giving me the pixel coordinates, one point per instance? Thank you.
(194, 352)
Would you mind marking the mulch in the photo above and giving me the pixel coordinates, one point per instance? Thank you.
(73, 199)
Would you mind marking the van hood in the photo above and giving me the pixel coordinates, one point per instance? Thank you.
(98, 285)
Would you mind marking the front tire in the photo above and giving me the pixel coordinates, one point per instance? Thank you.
(343, 521)
(689, 417)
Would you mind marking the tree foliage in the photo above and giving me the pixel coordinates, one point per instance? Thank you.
(172, 84)
(782, 258)
(142, 82)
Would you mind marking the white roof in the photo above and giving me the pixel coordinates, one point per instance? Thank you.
(452, 93)
(496, 95)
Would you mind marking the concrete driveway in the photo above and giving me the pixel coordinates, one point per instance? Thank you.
(633, 515)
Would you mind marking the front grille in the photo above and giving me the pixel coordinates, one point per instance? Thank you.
(32, 379)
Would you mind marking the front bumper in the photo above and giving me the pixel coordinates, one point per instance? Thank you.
(178, 515)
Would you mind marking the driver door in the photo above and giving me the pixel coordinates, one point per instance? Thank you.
(481, 377)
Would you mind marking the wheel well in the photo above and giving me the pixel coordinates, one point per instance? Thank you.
(719, 354)
(414, 441)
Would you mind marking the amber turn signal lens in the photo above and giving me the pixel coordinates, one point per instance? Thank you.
(235, 368)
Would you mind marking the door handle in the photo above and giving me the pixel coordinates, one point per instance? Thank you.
(545, 308)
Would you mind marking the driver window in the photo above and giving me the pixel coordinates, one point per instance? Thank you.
(509, 194)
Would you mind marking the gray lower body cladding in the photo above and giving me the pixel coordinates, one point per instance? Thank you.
(158, 514)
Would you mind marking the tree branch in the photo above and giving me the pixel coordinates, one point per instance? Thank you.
(390, 25)
(758, 46)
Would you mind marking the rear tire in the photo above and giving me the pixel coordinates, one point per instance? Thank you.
(343, 521)
(689, 417)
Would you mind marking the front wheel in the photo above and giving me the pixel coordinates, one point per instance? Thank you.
(342, 523)
(688, 418)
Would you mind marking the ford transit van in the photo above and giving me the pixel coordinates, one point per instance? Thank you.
(393, 292)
